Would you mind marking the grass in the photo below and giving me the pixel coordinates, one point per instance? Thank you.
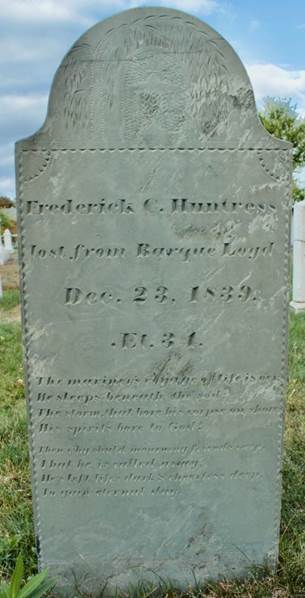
(16, 529)
(10, 299)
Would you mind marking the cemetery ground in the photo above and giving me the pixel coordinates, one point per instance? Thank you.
(16, 528)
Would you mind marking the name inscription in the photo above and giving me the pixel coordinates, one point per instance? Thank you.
(115, 207)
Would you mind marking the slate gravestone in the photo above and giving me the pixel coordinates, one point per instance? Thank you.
(153, 216)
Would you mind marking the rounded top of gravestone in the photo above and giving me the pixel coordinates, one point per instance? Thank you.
(152, 78)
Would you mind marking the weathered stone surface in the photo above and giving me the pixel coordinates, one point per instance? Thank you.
(153, 213)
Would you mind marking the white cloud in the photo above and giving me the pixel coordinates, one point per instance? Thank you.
(276, 81)
(28, 50)
(36, 11)
(10, 103)
(203, 6)
(7, 186)
(21, 115)
(7, 154)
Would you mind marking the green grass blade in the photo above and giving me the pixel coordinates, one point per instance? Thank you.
(45, 587)
(5, 591)
(17, 577)
(37, 586)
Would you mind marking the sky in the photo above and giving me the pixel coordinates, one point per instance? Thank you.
(268, 35)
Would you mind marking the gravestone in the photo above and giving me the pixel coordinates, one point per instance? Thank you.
(7, 239)
(3, 253)
(154, 220)
(298, 269)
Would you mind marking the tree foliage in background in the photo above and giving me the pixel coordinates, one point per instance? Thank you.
(280, 117)
(5, 222)
(6, 202)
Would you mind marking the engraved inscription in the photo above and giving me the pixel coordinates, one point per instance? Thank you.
(160, 295)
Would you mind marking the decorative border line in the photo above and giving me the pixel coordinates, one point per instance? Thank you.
(47, 155)
(155, 149)
(43, 167)
(26, 335)
(26, 359)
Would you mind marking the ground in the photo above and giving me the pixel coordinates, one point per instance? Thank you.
(9, 274)
(16, 528)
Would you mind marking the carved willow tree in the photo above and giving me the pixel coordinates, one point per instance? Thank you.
(280, 117)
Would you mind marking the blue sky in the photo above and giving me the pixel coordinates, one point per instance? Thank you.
(268, 35)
